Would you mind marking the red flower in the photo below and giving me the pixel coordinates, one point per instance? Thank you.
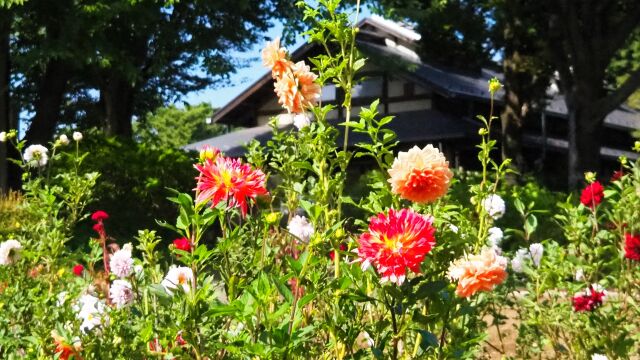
(182, 244)
(588, 301)
(592, 195)
(332, 254)
(395, 242)
(78, 270)
(64, 350)
(180, 340)
(99, 216)
(99, 228)
(617, 175)
(227, 179)
(632, 246)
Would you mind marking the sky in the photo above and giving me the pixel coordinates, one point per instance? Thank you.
(245, 76)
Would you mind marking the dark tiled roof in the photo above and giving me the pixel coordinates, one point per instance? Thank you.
(410, 127)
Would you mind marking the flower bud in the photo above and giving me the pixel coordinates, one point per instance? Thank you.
(3, 136)
(77, 136)
(482, 131)
(590, 176)
(494, 85)
(63, 140)
(272, 218)
(209, 153)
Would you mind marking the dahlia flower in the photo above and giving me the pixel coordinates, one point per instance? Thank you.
(64, 350)
(183, 244)
(494, 206)
(420, 175)
(275, 57)
(296, 89)
(77, 136)
(301, 228)
(535, 251)
(10, 252)
(227, 179)
(480, 272)
(495, 236)
(617, 175)
(592, 195)
(632, 246)
(176, 277)
(36, 155)
(99, 215)
(395, 242)
(589, 300)
(78, 269)
(121, 293)
(121, 263)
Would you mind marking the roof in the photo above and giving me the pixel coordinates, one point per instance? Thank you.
(410, 127)
(449, 82)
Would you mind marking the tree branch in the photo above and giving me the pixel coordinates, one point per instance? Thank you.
(607, 104)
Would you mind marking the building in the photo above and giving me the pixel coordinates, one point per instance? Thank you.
(431, 104)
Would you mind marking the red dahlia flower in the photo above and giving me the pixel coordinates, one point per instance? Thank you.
(78, 270)
(99, 216)
(592, 195)
(588, 301)
(227, 179)
(182, 244)
(395, 242)
(632, 246)
(617, 175)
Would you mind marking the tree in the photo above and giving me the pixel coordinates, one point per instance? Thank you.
(527, 70)
(125, 57)
(584, 37)
(454, 33)
(172, 127)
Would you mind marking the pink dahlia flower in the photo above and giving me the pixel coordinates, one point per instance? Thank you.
(420, 175)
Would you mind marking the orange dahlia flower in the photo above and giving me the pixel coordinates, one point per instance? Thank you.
(480, 272)
(227, 179)
(296, 88)
(64, 350)
(420, 175)
(275, 58)
(395, 242)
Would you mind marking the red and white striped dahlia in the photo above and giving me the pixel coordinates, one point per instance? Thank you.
(395, 242)
(228, 179)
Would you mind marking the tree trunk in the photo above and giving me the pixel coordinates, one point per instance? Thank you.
(5, 29)
(512, 118)
(50, 95)
(118, 97)
(585, 129)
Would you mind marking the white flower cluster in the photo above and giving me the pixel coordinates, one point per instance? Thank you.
(121, 263)
(178, 276)
(301, 228)
(9, 252)
(36, 155)
(121, 293)
(91, 312)
(533, 253)
(495, 237)
(494, 206)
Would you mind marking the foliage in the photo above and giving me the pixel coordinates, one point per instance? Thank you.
(172, 127)
(294, 277)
